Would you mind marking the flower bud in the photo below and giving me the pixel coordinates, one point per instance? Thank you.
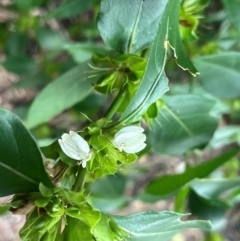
(130, 139)
(74, 146)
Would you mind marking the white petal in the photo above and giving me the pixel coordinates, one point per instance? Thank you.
(130, 139)
(134, 149)
(69, 142)
(129, 129)
(135, 140)
(74, 146)
(66, 150)
(81, 143)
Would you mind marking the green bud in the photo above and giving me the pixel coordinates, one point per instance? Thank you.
(55, 207)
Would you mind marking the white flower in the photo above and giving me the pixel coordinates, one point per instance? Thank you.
(74, 146)
(130, 139)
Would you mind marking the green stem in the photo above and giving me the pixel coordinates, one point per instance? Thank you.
(79, 182)
(116, 103)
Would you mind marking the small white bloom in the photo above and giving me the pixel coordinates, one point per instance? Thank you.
(130, 139)
(74, 146)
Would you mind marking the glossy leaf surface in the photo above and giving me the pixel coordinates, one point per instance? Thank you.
(154, 82)
(129, 26)
(21, 165)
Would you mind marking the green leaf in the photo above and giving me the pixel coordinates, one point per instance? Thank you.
(109, 186)
(85, 213)
(233, 8)
(156, 226)
(129, 26)
(27, 5)
(169, 183)
(4, 208)
(226, 135)
(17, 44)
(21, 65)
(215, 188)
(73, 198)
(76, 230)
(61, 94)
(207, 210)
(83, 51)
(50, 40)
(108, 205)
(154, 82)
(69, 8)
(108, 193)
(21, 165)
(179, 127)
(107, 230)
(220, 74)
(38, 226)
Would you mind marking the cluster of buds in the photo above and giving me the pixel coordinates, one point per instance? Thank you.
(130, 139)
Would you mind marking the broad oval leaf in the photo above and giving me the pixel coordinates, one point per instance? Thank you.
(220, 74)
(129, 26)
(62, 93)
(156, 226)
(21, 165)
(184, 123)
